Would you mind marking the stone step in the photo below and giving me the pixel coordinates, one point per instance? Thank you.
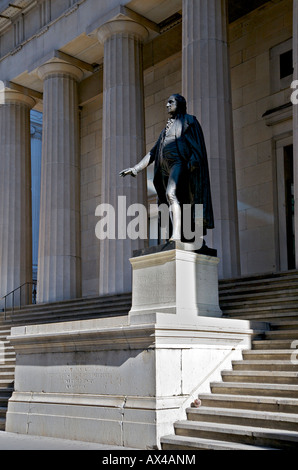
(269, 313)
(73, 306)
(6, 354)
(4, 399)
(9, 353)
(257, 403)
(262, 316)
(7, 368)
(2, 424)
(256, 376)
(77, 314)
(4, 332)
(180, 442)
(281, 334)
(274, 344)
(6, 383)
(262, 281)
(284, 325)
(257, 286)
(268, 354)
(241, 434)
(265, 365)
(271, 420)
(270, 292)
(256, 389)
(6, 375)
(82, 301)
(4, 343)
(6, 391)
(260, 300)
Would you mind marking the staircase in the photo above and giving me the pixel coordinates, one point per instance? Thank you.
(79, 309)
(255, 406)
(7, 365)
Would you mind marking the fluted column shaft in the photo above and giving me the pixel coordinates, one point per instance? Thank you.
(295, 124)
(15, 187)
(206, 86)
(123, 143)
(59, 259)
(36, 144)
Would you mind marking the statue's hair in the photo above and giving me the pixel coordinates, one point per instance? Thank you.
(181, 101)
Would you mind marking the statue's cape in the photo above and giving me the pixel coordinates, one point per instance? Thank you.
(191, 145)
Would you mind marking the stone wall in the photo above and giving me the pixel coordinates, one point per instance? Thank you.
(252, 42)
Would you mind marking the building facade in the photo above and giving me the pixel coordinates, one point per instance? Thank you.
(100, 73)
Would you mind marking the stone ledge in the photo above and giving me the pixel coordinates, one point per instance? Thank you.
(165, 331)
(101, 401)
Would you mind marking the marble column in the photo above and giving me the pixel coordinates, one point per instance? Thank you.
(206, 86)
(15, 187)
(123, 145)
(295, 124)
(59, 260)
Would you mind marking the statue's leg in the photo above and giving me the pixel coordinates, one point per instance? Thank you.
(174, 204)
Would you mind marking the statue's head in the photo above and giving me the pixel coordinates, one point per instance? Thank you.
(176, 105)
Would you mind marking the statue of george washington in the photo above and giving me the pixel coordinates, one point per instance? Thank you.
(181, 174)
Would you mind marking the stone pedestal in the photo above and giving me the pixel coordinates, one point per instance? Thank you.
(15, 193)
(115, 383)
(180, 283)
(59, 261)
(123, 144)
(207, 89)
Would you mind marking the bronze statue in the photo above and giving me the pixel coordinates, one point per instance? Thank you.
(181, 174)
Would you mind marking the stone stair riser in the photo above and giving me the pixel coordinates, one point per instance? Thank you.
(241, 420)
(204, 431)
(281, 335)
(248, 403)
(190, 443)
(261, 379)
(284, 325)
(275, 344)
(269, 355)
(251, 389)
(264, 365)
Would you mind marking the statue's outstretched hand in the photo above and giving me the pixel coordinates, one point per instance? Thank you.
(128, 171)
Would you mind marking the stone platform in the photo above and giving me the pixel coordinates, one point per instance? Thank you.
(125, 380)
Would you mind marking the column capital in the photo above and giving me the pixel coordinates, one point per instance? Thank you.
(8, 96)
(122, 26)
(57, 67)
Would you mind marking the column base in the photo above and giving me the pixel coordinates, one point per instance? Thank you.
(170, 280)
